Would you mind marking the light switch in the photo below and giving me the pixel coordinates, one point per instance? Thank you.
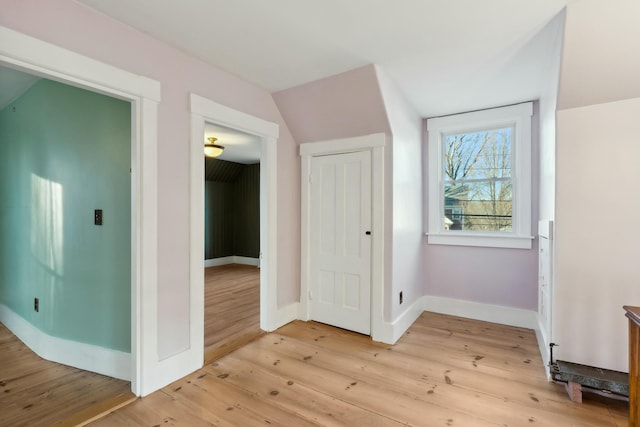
(97, 217)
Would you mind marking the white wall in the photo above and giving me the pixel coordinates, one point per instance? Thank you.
(597, 232)
(547, 109)
(597, 203)
(601, 54)
(547, 178)
(407, 243)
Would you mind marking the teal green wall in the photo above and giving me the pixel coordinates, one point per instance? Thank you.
(64, 152)
(232, 214)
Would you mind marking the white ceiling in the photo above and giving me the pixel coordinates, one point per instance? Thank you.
(446, 56)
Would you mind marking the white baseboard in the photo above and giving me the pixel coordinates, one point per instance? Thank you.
(390, 332)
(285, 315)
(479, 311)
(215, 262)
(113, 363)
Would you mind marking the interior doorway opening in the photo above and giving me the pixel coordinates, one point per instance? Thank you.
(67, 285)
(66, 295)
(231, 241)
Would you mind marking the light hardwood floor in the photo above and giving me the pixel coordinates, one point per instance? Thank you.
(36, 392)
(445, 371)
(231, 308)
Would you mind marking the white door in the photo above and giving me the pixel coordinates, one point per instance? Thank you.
(340, 264)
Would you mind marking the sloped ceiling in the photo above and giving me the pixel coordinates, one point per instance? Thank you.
(445, 56)
(13, 83)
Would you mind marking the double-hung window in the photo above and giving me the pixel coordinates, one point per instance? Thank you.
(479, 178)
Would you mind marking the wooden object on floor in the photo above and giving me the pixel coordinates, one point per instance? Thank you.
(574, 390)
(445, 371)
(232, 308)
(577, 376)
(36, 392)
(633, 313)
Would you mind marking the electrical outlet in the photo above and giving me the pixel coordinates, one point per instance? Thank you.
(36, 304)
(401, 298)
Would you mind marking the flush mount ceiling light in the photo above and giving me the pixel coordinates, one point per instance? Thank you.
(211, 149)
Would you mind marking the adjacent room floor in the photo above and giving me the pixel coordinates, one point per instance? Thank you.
(445, 371)
(36, 392)
(231, 308)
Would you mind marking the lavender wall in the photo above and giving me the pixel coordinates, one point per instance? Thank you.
(77, 28)
(504, 277)
(342, 106)
(407, 206)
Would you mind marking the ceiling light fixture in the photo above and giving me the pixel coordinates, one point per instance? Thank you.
(211, 149)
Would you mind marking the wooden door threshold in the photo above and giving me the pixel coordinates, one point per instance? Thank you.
(99, 410)
(216, 351)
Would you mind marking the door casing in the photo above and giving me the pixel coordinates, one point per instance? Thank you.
(203, 109)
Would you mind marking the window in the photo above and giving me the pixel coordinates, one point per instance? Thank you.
(480, 178)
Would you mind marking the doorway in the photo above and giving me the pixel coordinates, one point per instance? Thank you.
(66, 288)
(67, 271)
(232, 241)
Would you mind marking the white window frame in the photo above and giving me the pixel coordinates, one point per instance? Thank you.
(516, 116)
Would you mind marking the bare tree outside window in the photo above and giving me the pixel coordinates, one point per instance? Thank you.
(477, 180)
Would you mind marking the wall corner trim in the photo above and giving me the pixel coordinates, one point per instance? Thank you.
(113, 363)
(284, 315)
(390, 332)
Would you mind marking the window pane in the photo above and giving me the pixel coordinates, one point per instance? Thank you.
(477, 174)
(478, 155)
(478, 206)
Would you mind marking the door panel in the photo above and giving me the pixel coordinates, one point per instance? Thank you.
(340, 262)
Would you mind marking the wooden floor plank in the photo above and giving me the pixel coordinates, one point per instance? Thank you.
(307, 373)
(320, 408)
(464, 387)
(232, 404)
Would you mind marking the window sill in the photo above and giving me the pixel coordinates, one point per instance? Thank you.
(480, 240)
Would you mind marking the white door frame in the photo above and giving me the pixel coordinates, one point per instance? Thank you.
(375, 144)
(34, 56)
(204, 110)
